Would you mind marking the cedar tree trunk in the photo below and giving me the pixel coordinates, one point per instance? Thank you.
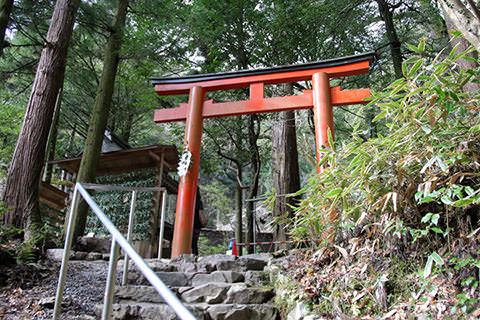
(465, 19)
(387, 16)
(101, 109)
(253, 133)
(463, 45)
(52, 138)
(21, 196)
(286, 176)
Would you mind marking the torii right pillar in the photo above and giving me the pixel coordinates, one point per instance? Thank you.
(323, 119)
(322, 113)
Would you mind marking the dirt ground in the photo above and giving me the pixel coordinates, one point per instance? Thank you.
(27, 291)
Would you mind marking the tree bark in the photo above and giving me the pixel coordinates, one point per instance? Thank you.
(286, 173)
(5, 10)
(395, 45)
(239, 208)
(253, 133)
(463, 45)
(21, 196)
(100, 113)
(463, 19)
(52, 138)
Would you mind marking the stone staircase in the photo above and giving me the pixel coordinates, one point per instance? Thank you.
(218, 287)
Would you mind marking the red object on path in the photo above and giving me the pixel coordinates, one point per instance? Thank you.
(321, 98)
(234, 249)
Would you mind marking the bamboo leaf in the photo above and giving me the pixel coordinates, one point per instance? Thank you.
(438, 260)
(334, 193)
(428, 267)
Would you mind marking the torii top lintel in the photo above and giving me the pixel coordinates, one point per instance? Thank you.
(256, 79)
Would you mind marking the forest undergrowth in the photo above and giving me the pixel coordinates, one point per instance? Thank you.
(399, 212)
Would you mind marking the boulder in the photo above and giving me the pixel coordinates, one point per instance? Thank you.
(251, 262)
(89, 243)
(213, 262)
(174, 279)
(256, 278)
(80, 255)
(92, 256)
(209, 292)
(242, 312)
(240, 293)
(217, 276)
(57, 254)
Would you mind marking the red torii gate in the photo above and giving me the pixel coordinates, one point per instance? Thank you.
(321, 98)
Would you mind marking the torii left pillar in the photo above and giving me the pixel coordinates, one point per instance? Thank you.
(187, 189)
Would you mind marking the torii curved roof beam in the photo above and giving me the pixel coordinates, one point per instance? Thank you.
(338, 67)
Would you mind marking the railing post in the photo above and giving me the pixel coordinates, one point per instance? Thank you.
(66, 254)
(112, 272)
(131, 218)
(162, 225)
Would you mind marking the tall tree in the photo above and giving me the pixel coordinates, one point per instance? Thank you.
(462, 43)
(386, 12)
(101, 110)
(465, 17)
(5, 10)
(21, 196)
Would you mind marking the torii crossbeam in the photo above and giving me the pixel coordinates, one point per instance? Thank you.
(321, 98)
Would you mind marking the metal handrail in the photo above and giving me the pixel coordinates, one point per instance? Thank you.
(117, 239)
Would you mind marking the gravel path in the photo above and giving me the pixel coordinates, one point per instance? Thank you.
(28, 291)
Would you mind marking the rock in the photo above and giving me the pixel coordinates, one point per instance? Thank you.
(240, 293)
(92, 256)
(242, 312)
(251, 262)
(211, 263)
(85, 317)
(80, 255)
(149, 311)
(162, 266)
(187, 267)
(256, 278)
(299, 312)
(217, 276)
(183, 258)
(57, 254)
(90, 244)
(48, 302)
(139, 294)
(174, 279)
(209, 292)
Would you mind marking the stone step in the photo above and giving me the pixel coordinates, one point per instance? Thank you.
(211, 293)
(187, 279)
(201, 311)
(217, 262)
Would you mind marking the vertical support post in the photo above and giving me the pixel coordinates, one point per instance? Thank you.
(66, 254)
(323, 118)
(187, 189)
(162, 225)
(112, 272)
(131, 218)
(322, 113)
(155, 216)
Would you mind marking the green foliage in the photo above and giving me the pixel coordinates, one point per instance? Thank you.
(116, 205)
(10, 123)
(417, 180)
(424, 161)
(205, 249)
